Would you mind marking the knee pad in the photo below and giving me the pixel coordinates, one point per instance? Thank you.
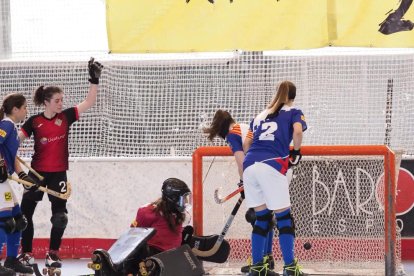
(21, 222)
(250, 216)
(8, 224)
(286, 229)
(59, 220)
(268, 218)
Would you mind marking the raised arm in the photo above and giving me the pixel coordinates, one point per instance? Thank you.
(94, 69)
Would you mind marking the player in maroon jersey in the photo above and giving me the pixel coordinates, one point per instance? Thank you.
(50, 130)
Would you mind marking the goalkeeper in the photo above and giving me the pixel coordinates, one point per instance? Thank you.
(50, 130)
(166, 215)
(265, 182)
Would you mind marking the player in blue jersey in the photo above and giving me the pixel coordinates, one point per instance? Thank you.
(12, 222)
(224, 126)
(265, 182)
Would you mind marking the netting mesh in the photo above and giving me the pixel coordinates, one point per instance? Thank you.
(337, 204)
(158, 107)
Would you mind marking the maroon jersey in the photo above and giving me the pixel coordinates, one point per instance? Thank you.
(51, 152)
(164, 239)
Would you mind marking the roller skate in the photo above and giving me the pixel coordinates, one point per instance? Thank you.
(394, 23)
(14, 264)
(292, 269)
(267, 259)
(4, 271)
(53, 264)
(262, 269)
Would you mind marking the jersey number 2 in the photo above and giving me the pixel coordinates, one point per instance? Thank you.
(268, 129)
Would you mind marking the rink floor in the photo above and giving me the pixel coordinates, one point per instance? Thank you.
(79, 267)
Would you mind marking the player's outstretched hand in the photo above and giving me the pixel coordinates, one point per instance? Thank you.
(95, 70)
(23, 176)
(3, 171)
(294, 157)
(240, 184)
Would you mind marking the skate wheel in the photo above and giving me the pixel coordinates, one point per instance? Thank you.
(94, 266)
(57, 272)
(44, 271)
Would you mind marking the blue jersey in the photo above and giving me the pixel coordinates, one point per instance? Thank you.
(272, 136)
(235, 137)
(9, 143)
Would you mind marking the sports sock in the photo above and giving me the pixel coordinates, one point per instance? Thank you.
(286, 241)
(258, 241)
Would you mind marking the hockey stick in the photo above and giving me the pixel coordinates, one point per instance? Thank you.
(220, 239)
(30, 168)
(227, 197)
(65, 195)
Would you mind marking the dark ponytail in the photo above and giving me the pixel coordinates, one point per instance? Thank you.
(220, 125)
(45, 93)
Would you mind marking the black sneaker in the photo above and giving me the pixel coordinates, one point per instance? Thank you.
(14, 264)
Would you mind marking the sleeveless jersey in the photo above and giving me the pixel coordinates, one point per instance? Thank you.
(236, 136)
(9, 143)
(51, 152)
(272, 136)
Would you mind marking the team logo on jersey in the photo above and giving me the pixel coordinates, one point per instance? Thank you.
(302, 117)
(3, 133)
(39, 125)
(8, 196)
(58, 122)
(43, 140)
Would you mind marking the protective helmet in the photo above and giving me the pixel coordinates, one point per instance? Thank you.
(176, 192)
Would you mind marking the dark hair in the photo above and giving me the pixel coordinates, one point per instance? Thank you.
(11, 101)
(172, 188)
(285, 92)
(45, 93)
(220, 125)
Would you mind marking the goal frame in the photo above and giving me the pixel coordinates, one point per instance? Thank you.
(367, 150)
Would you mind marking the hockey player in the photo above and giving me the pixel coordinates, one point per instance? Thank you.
(13, 110)
(50, 130)
(224, 126)
(265, 182)
(166, 215)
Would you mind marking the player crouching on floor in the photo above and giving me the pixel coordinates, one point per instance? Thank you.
(166, 215)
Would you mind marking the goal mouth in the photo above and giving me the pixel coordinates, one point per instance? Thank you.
(343, 203)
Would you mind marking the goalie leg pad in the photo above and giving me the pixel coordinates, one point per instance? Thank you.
(179, 261)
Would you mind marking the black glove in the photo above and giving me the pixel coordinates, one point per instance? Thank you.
(23, 176)
(3, 171)
(294, 157)
(95, 70)
(240, 184)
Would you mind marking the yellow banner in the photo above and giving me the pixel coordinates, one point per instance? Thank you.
(167, 26)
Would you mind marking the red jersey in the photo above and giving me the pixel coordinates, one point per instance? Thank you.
(164, 239)
(51, 151)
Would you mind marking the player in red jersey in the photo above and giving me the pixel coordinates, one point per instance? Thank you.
(166, 215)
(50, 130)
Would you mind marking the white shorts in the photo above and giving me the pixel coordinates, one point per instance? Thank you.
(265, 185)
(8, 198)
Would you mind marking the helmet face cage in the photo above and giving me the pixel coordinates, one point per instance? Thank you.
(177, 192)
